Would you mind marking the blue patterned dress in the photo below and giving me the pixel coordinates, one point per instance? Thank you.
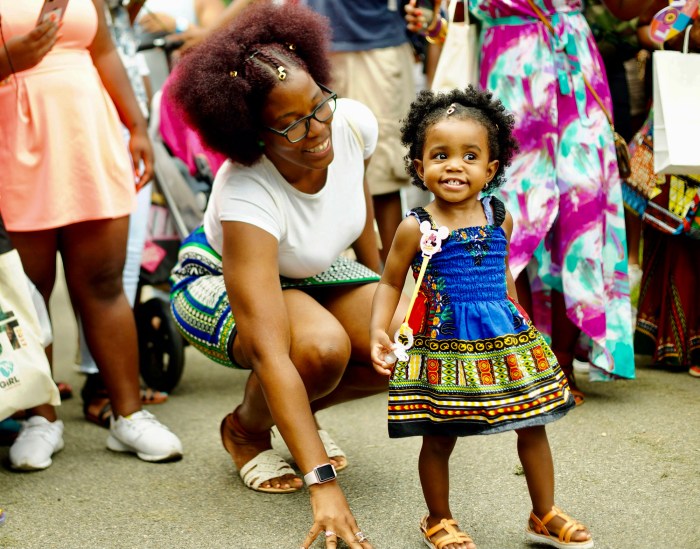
(477, 365)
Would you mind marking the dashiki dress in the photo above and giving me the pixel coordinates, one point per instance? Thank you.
(477, 364)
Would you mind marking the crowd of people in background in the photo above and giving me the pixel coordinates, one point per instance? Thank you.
(308, 114)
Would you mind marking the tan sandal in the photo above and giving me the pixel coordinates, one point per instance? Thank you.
(540, 534)
(454, 535)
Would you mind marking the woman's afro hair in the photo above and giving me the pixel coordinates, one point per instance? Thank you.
(222, 84)
(429, 108)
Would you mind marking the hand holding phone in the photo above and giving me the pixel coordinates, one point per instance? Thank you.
(52, 9)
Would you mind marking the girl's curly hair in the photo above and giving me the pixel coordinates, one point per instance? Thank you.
(222, 84)
(429, 108)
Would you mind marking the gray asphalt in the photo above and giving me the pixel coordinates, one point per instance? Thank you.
(627, 463)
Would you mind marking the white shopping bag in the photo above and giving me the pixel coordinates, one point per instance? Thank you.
(25, 374)
(676, 112)
(458, 65)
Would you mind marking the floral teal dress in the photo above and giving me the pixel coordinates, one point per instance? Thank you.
(563, 188)
(477, 364)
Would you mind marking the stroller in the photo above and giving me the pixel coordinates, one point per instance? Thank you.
(177, 208)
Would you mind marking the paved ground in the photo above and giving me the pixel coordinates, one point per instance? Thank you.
(627, 462)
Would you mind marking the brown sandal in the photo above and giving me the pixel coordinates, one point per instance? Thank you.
(540, 533)
(98, 410)
(453, 534)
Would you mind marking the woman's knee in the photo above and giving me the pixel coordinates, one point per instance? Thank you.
(322, 362)
(103, 283)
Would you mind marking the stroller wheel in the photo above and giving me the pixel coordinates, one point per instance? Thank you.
(161, 347)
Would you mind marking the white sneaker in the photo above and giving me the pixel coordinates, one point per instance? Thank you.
(142, 434)
(37, 441)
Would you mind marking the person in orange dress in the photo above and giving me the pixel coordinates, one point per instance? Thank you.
(67, 186)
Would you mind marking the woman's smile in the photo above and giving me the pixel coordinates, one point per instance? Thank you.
(322, 148)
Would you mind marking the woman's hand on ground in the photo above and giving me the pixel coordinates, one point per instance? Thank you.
(28, 50)
(333, 519)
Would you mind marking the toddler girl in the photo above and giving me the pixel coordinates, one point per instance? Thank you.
(469, 359)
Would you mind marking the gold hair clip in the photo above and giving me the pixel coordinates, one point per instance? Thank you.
(290, 46)
(233, 74)
(280, 73)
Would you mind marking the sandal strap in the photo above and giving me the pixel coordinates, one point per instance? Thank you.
(570, 527)
(332, 449)
(263, 467)
(453, 536)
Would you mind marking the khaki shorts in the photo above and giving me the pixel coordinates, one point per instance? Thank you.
(382, 79)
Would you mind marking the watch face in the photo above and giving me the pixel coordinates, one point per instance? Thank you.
(325, 473)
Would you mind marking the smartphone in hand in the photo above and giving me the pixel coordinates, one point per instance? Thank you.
(57, 8)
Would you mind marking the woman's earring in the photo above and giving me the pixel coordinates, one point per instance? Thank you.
(261, 144)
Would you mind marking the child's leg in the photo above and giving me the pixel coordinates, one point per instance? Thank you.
(433, 469)
(434, 472)
(536, 458)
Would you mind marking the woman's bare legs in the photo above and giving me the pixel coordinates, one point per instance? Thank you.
(330, 348)
(352, 308)
(93, 255)
(536, 459)
(320, 349)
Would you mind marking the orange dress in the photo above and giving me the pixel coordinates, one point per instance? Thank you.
(63, 158)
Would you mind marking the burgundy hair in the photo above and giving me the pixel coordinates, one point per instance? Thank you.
(222, 84)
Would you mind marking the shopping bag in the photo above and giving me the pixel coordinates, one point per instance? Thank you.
(676, 78)
(25, 374)
(458, 66)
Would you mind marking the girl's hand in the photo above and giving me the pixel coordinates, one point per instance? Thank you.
(28, 50)
(333, 519)
(414, 18)
(142, 157)
(380, 347)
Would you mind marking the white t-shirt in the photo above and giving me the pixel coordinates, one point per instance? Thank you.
(312, 229)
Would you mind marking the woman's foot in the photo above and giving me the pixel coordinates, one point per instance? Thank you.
(244, 447)
(558, 529)
(444, 534)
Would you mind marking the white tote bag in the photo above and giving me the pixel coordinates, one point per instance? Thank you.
(458, 65)
(25, 375)
(676, 111)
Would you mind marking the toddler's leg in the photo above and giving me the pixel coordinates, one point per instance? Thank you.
(536, 458)
(433, 469)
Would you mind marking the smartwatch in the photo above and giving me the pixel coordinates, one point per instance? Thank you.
(320, 474)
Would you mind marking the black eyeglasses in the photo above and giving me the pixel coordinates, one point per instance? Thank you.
(323, 112)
